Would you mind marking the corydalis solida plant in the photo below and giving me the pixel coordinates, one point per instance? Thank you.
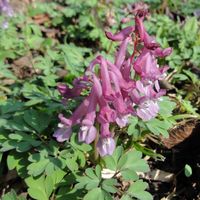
(114, 93)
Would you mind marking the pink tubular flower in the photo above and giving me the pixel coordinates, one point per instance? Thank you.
(64, 131)
(65, 127)
(122, 35)
(106, 83)
(145, 99)
(162, 52)
(146, 66)
(87, 131)
(121, 54)
(106, 144)
(147, 110)
(78, 85)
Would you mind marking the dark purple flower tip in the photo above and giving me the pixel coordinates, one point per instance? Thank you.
(162, 52)
(106, 146)
(150, 42)
(87, 134)
(122, 35)
(62, 88)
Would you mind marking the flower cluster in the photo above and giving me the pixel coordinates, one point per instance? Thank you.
(129, 86)
(6, 10)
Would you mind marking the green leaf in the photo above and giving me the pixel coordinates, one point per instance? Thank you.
(37, 168)
(132, 161)
(191, 28)
(98, 194)
(137, 190)
(132, 130)
(72, 164)
(37, 193)
(11, 107)
(188, 170)
(166, 107)
(74, 57)
(12, 161)
(36, 188)
(129, 175)
(108, 185)
(37, 120)
(12, 196)
(126, 197)
(49, 185)
(90, 180)
(57, 176)
(158, 127)
(111, 161)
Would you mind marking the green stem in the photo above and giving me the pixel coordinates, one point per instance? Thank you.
(182, 116)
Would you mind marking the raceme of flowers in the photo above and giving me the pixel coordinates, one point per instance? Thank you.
(129, 86)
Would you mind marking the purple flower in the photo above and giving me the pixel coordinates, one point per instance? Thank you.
(87, 134)
(63, 133)
(106, 146)
(87, 131)
(158, 52)
(122, 121)
(106, 83)
(6, 8)
(121, 54)
(145, 100)
(78, 85)
(148, 110)
(123, 83)
(146, 66)
(122, 35)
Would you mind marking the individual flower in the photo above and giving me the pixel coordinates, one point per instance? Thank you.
(79, 85)
(146, 66)
(147, 110)
(63, 133)
(64, 130)
(88, 131)
(106, 144)
(122, 35)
